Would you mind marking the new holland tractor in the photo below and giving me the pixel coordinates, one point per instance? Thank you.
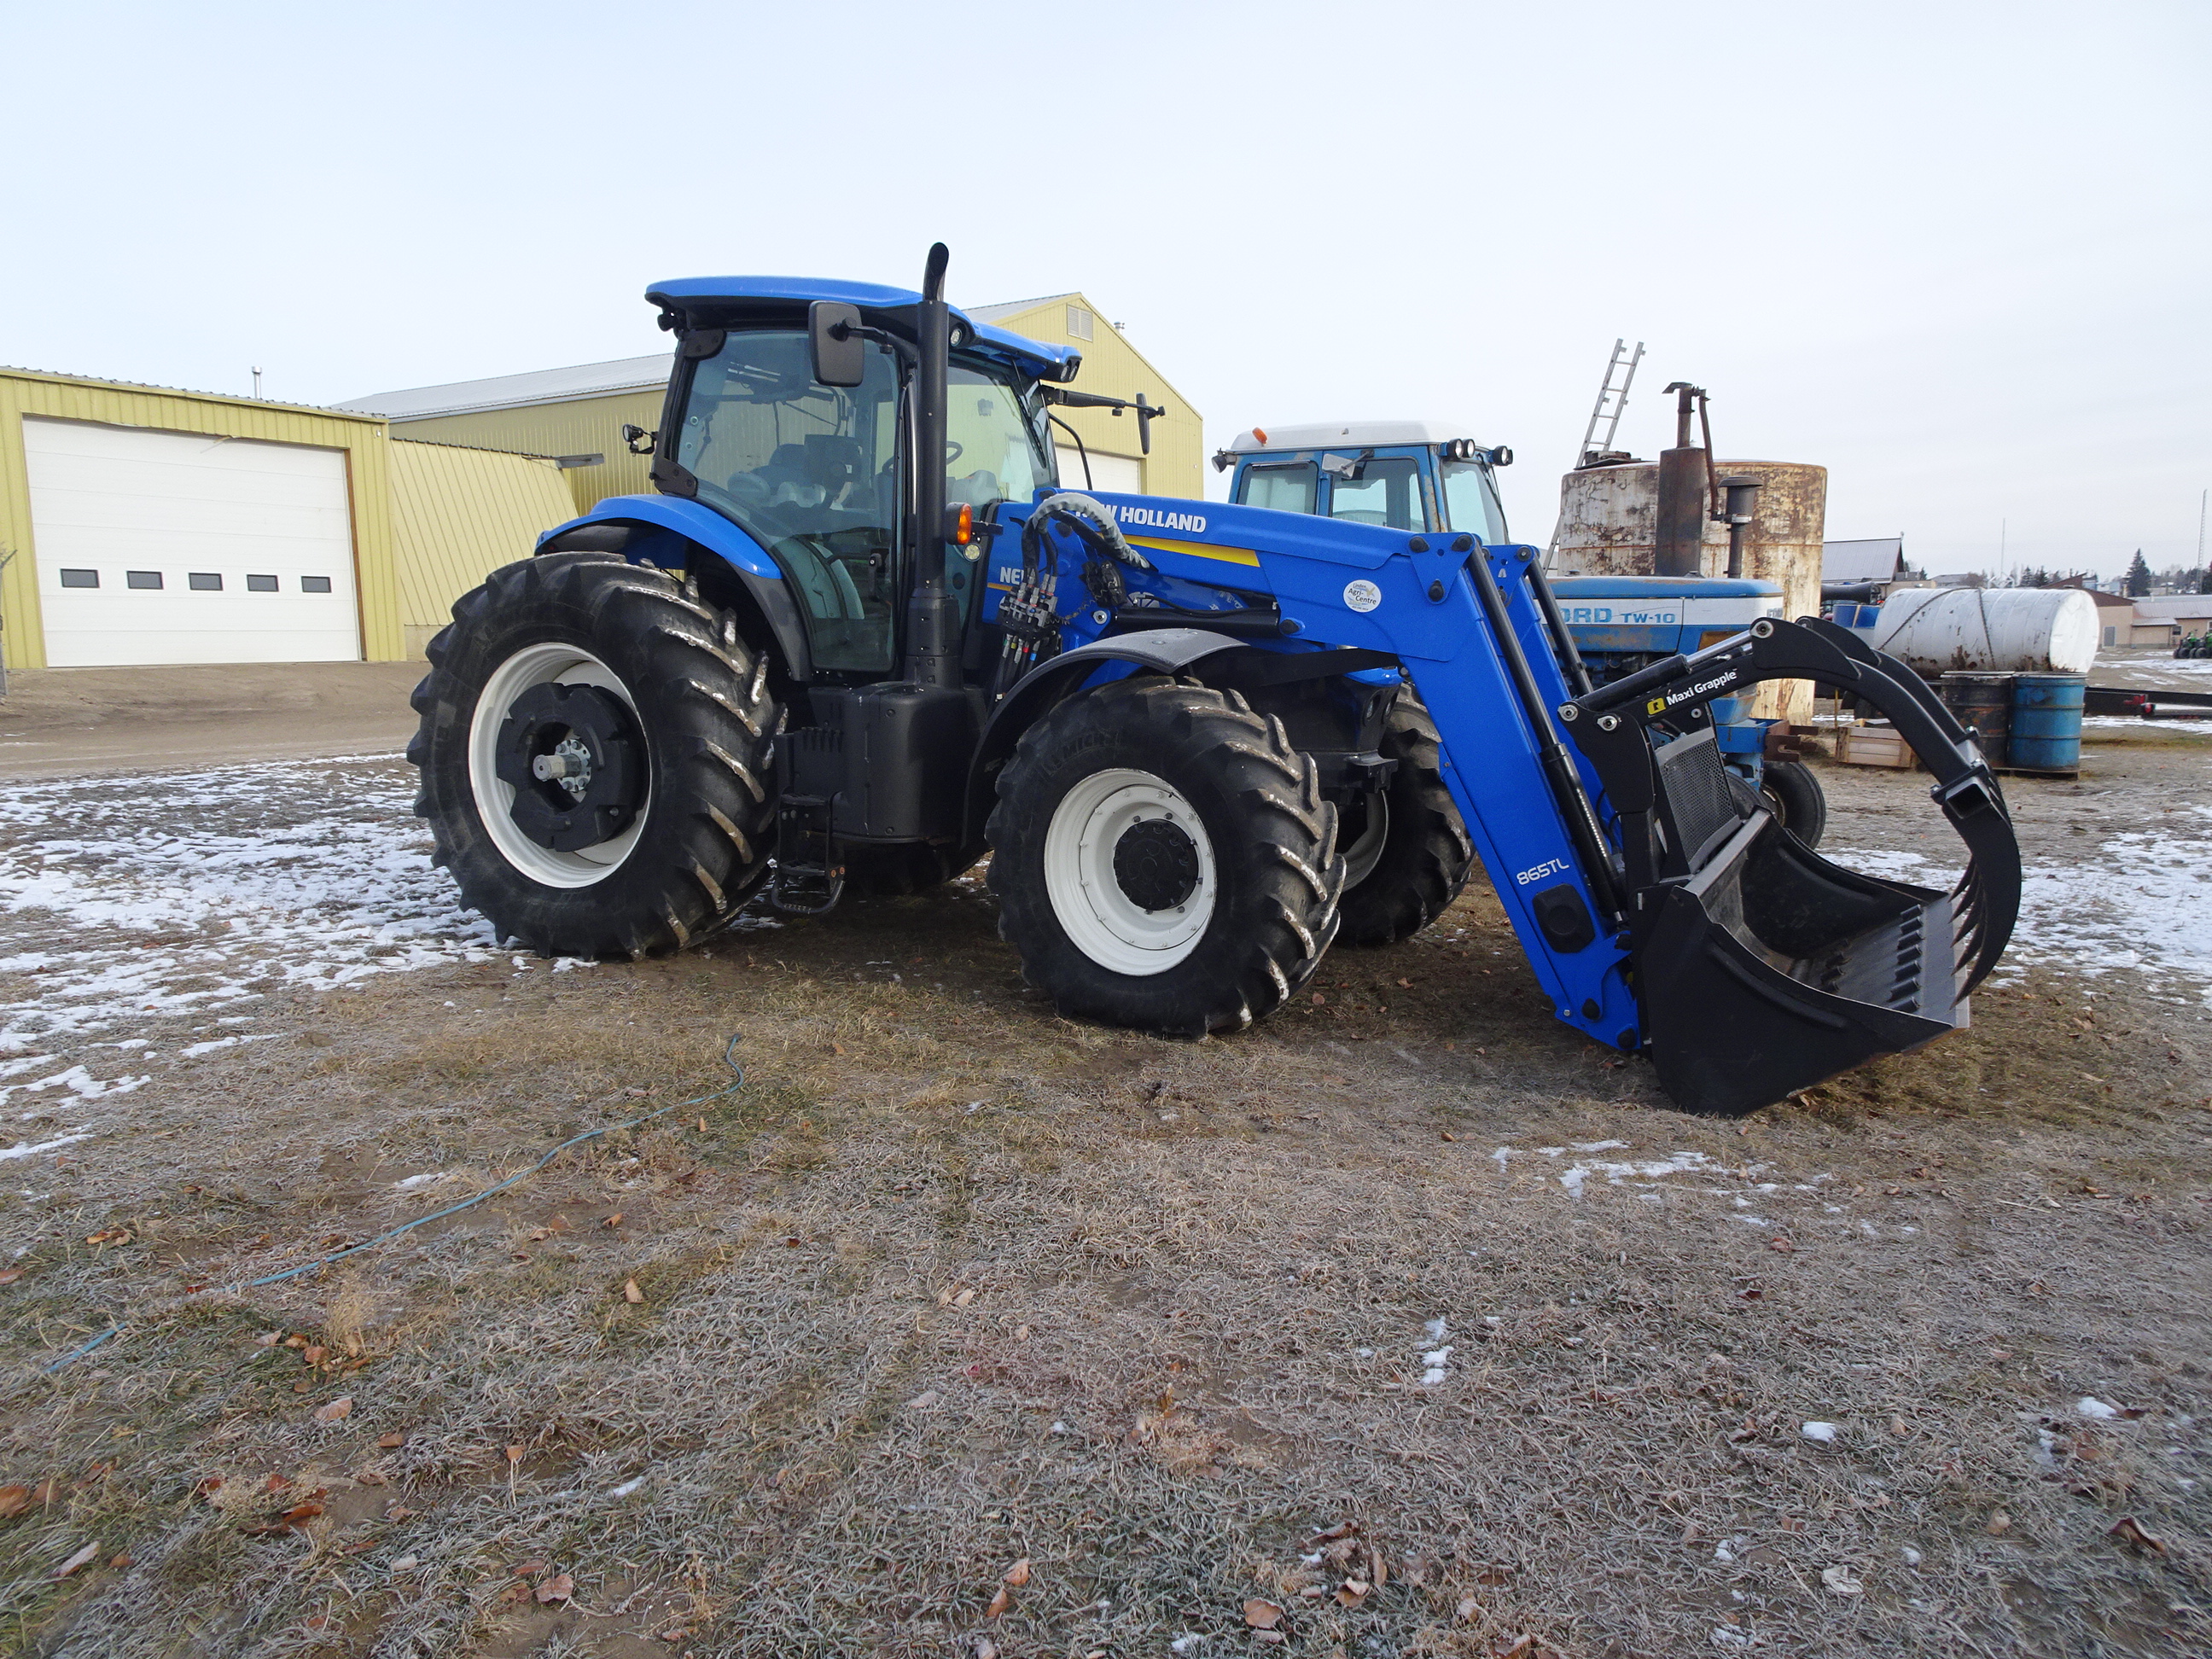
(860, 635)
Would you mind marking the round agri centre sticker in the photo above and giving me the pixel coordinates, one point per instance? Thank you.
(1361, 595)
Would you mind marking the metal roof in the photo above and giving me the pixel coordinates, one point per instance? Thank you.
(1878, 560)
(1348, 434)
(543, 386)
(581, 381)
(1005, 309)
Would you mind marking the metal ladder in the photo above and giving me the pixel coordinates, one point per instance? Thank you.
(1623, 362)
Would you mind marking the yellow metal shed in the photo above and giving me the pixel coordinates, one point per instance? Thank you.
(135, 515)
(457, 515)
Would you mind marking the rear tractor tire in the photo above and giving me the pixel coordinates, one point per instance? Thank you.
(1163, 859)
(597, 753)
(1794, 796)
(1425, 857)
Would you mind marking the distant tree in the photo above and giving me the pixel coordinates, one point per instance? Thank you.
(2204, 582)
(2138, 578)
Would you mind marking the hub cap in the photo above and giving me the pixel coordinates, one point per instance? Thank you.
(558, 765)
(1129, 870)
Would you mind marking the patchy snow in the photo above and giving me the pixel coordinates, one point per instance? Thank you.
(193, 1050)
(2095, 1409)
(24, 1149)
(184, 892)
(2140, 903)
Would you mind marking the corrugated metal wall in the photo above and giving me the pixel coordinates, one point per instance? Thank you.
(65, 398)
(589, 426)
(1112, 367)
(457, 516)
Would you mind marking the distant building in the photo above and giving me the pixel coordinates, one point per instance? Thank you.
(1881, 561)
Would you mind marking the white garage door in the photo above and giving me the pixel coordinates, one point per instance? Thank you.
(1117, 475)
(171, 547)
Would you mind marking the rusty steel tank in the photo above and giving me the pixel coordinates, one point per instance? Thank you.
(1609, 525)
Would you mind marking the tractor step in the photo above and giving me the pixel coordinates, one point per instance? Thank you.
(808, 875)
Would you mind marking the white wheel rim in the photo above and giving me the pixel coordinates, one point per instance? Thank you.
(1104, 922)
(541, 665)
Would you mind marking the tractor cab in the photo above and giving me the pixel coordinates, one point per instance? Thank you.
(1421, 477)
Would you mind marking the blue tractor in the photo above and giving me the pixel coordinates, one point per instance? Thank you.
(861, 635)
(1425, 478)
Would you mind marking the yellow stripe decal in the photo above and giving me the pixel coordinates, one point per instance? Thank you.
(1199, 550)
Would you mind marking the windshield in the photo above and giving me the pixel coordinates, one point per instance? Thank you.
(1382, 490)
(992, 452)
(810, 471)
(1471, 501)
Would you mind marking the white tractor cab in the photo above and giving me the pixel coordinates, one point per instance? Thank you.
(1418, 476)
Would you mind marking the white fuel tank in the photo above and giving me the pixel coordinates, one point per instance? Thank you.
(2003, 630)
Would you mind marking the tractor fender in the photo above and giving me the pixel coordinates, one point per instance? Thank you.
(663, 530)
(1158, 650)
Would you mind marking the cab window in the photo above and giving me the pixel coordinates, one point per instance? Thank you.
(810, 471)
(1384, 491)
(1471, 501)
(1286, 488)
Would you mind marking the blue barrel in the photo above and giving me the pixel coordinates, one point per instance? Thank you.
(2046, 722)
(1845, 615)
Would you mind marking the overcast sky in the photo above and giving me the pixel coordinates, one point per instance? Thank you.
(1956, 253)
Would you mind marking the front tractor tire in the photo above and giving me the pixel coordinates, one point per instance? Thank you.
(1424, 855)
(1163, 859)
(597, 754)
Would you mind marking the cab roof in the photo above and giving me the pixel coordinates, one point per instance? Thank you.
(1348, 435)
(738, 293)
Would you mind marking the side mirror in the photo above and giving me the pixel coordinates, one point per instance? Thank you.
(834, 339)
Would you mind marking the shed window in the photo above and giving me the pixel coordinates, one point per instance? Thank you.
(79, 579)
(143, 578)
(569, 463)
(1078, 323)
(205, 581)
(261, 584)
(314, 584)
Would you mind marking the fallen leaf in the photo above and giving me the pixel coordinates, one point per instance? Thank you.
(1352, 1592)
(559, 1588)
(1341, 1529)
(630, 1291)
(985, 1648)
(14, 1500)
(407, 1563)
(1998, 1524)
(300, 1513)
(1839, 1580)
(120, 1560)
(963, 1298)
(1448, 1135)
(1262, 1615)
(313, 1354)
(1018, 1574)
(1469, 1607)
(396, 1510)
(76, 1561)
(999, 1603)
(276, 1483)
(371, 1478)
(11, 1276)
(614, 1220)
(342, 1406)
(296, 1340)
(539, 1235)
(514, 1453)
(530, 1568)
(922, 1401)
(2129, 1530)
(391, 1442)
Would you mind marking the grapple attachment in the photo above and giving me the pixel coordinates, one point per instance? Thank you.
(1760, 966)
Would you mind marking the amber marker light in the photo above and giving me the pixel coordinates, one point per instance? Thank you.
(964, 524)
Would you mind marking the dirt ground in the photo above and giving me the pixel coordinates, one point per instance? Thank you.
(66, 722)
(1407, 1323)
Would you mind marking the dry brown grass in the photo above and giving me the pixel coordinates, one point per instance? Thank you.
(951, 1284)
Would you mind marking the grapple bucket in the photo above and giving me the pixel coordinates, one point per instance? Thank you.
(1760, 966)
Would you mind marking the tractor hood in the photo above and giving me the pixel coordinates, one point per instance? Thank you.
(717, 301)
